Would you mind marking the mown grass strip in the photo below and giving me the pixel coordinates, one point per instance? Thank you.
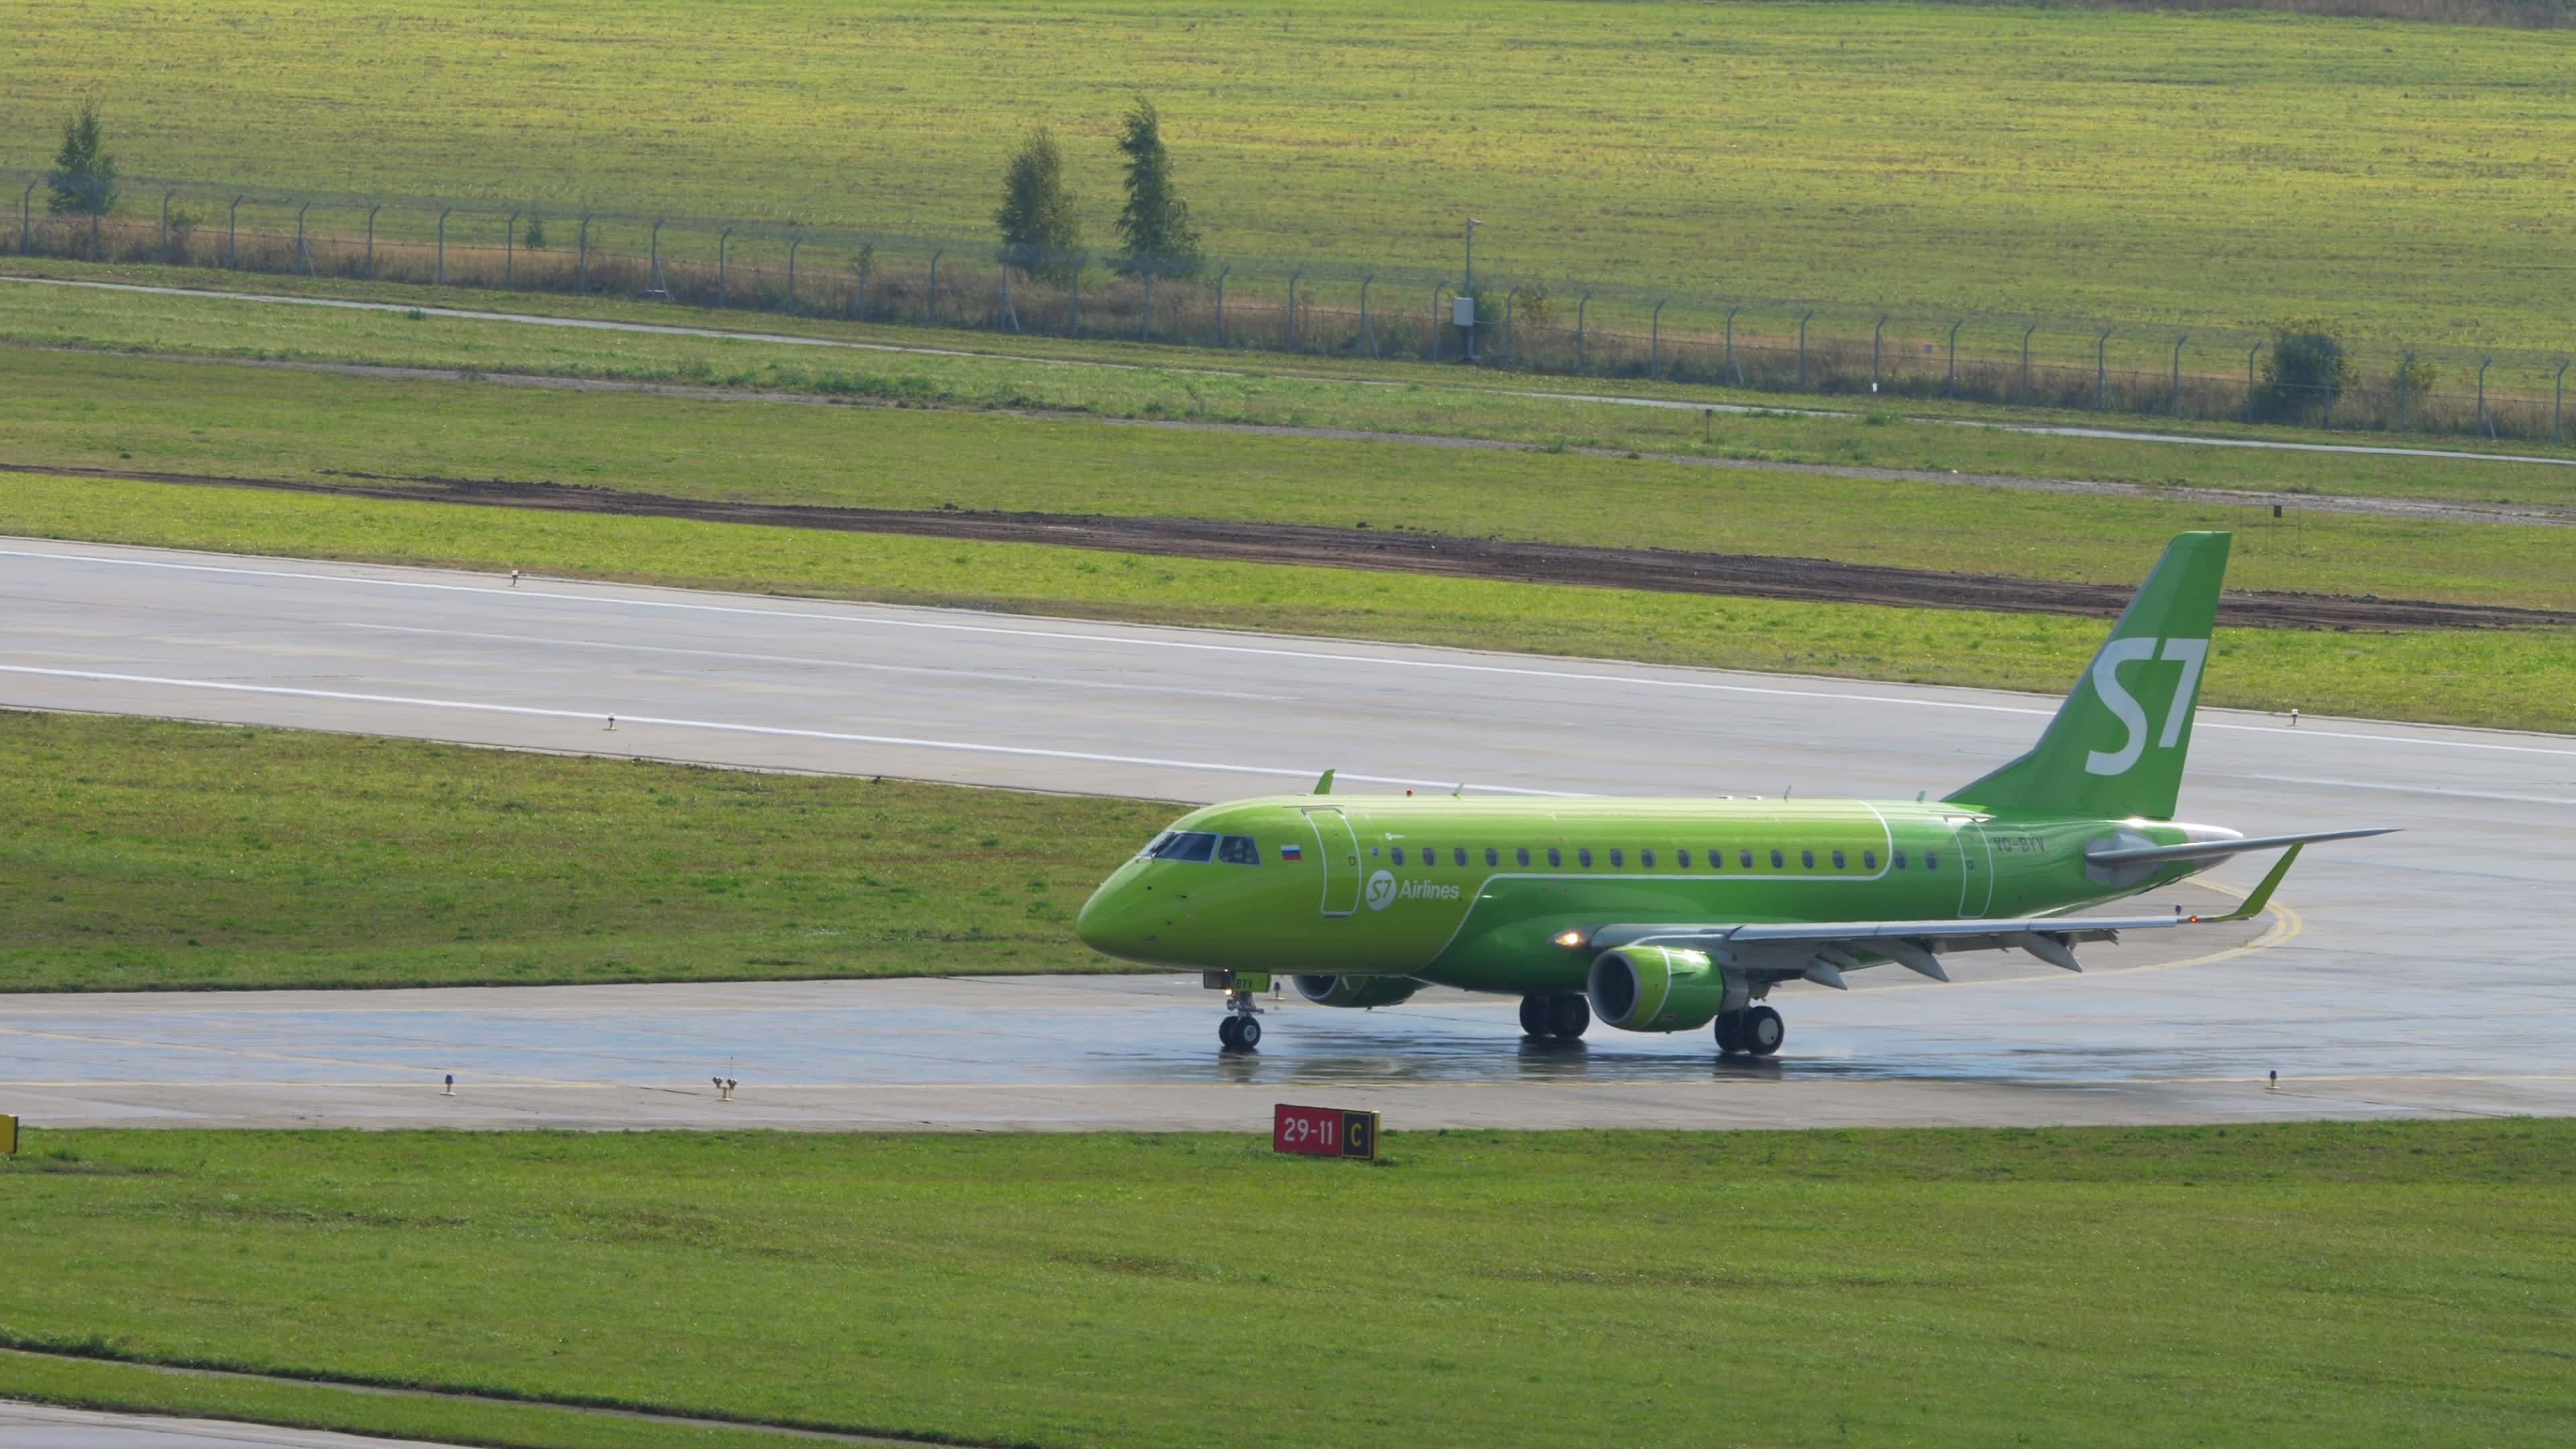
(1162, 382)
(148, 855)
(2512, 679)
(156, 415)
(2296, 1283)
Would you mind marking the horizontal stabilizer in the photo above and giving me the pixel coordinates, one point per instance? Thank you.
(2217, 849)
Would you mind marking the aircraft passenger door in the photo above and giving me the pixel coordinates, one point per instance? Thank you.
(1976, 867)
(1337, 850)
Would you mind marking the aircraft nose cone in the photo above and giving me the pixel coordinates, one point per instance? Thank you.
(1107, 921)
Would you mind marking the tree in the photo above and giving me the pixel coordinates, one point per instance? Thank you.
(1039, 234)
(1154, 226)
(535, 237)
(83, 181)
(2308, 366)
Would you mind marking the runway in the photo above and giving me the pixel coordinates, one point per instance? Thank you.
(2419, 974)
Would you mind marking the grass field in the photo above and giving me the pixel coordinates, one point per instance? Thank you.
(2311, 1283)
(2515, 679)
(161, 416)
(2211, 169)
(1158, 383)
(153, 855)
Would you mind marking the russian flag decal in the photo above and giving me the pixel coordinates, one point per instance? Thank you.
(1290, 852)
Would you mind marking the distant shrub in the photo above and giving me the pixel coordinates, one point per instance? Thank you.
(2307, 369)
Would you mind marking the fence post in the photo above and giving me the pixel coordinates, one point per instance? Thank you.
(1732, 370)
(1221, 275)
(1078, 264)
(165, 227)
(1655, 343)
(2405, 387)
(232, 228)
(371, 238)
(1802, 349)
(658, 289)
(793, 243)
(1010, 313)
(1145, 329)
(2177, 373)
(1511, 344)
(303, 256)
(2484, 426)
(2558, 405)
(1368, 328)
(932, 298)
(1950, 384)
(2102, 370)
(2025, 362)
(724, 242)
(1582, 357)
(1877, 343)
(510, 251)
(581, 266)
(442, 246)
(1293, 278)
(2250, 354)
(93, 233)
(867, 260)
(27, 220)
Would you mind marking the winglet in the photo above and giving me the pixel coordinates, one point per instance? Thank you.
(1324, 783)
(2262, 896)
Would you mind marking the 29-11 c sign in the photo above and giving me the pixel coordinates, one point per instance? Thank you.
(1323, 1132)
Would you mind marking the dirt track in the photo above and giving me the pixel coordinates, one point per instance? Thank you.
(1658, 570)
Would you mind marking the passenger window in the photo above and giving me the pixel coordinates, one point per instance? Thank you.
(1555, 857)
(1188, 845)
(1493, 856)
(1521, 855)
(1399, 855)
(1458, 856)
(1838, 860)
(1745, 858)
(1807, 859)
(1684, 857)
(1869, 860)
(1584, 856)
(1900, 860)
(1618, 858)
(1776, 861)
(1931, 860)
(1238, 850)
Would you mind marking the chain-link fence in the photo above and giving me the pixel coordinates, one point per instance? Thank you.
(1525, 324)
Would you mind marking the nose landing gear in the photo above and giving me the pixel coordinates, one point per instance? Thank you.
(1565, 1015)
(1240, 1031)
(1755, 1031)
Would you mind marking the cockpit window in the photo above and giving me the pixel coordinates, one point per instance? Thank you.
(1155, 846)
(1238, 850)
(1183, 845)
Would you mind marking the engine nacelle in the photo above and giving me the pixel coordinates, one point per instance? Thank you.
(1356, 990)
(1656, 988)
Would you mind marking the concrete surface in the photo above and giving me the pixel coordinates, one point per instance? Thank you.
(42, 1426)
(2418, 973)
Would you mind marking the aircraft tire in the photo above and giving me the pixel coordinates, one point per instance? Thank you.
(1534, 1016)
(1247, 1033)
(1229, 1032)
(1764, 1031)
(1730, 1032)
(1569, 1014)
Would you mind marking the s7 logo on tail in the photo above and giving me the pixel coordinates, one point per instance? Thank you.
(2191, 654)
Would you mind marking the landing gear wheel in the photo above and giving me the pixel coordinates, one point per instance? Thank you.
(1247, 1032)
(1568, 1015)
(1534, 1016)
(1229, 1032)
(1730, 1032)
(1764, 1031)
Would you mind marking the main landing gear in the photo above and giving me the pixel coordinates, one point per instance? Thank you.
(1755, 1031)
(1564, 1015)
(1241, 1029)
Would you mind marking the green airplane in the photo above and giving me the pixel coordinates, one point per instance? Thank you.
(1666, 915)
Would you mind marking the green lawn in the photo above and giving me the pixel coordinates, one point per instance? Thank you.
(2193, 169)
(157, 415)
(150, 855)
(1157, 382)
(2294, 1284)
(2515, 679)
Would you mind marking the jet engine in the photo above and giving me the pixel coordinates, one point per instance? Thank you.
(1356, 990)
(1656, 988)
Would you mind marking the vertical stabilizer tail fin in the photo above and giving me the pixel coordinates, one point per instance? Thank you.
(2117, 745)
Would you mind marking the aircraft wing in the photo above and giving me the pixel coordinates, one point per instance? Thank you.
(1821, 951)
